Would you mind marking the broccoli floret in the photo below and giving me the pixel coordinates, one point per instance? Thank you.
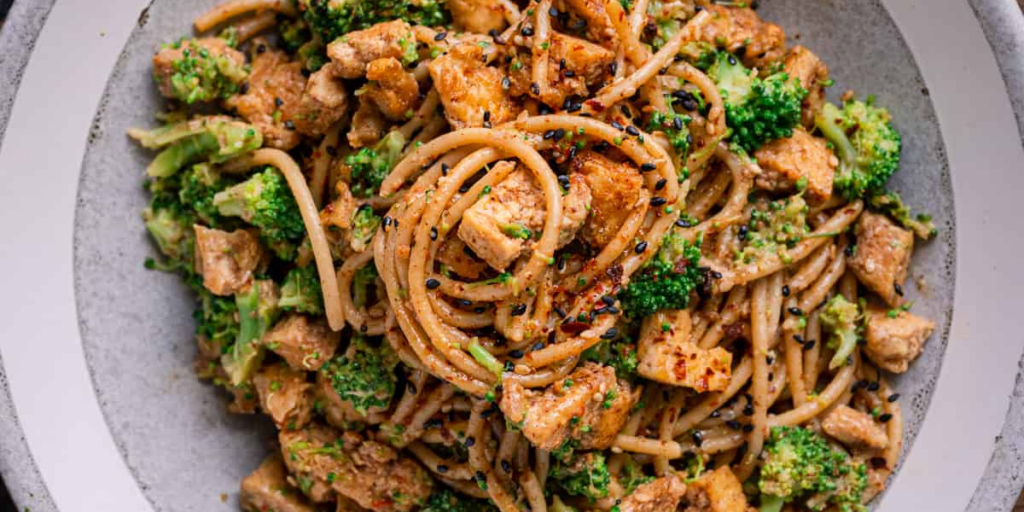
(217, 319)
(301, 291)
(757, 109)
(371, 165)
(800, 463)
(364, 225)
(867, 144)
(294, 33)
(586, 475)
(362, 280)
(843, 319)
(214, 139)
(675, 129)
(366, 378)
(332, 19)
(201, 75)
(446, 500)
(298, 39)
(774, 228)
(171, 229)
(620, 354)
(199, 185)
(633, 476)
(666, 280)
(265, 201)
(257, 311)
(892, 205)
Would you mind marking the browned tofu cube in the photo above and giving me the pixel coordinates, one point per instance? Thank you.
(893, 343)
(506, 221)
(854, 428)
(470, 89)
(882, 255)
(801, 158)
(305, 343)
(573, 64)
(285, 395)
(323, 103)
(267, 488)
(668, 358)
(812, 73)
(226, 261)
(659, 495)
(615, 188)
(716, 491)
(477, 16)
(393, 89)
(352, 53)
(733, 28)
(273, 100)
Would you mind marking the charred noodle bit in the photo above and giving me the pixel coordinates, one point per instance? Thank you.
(550, 275)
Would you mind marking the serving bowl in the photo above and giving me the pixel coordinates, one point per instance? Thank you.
(101, 411)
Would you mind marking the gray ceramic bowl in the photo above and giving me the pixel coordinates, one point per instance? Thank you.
(100, 410)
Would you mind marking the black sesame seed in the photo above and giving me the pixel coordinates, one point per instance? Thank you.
(515, 354)
(716, 413)
(893, 397)
(563, 180)
(795, 311)
(873, 386)
(441, 468)
(387, 221)
(535, 89)
(698, 438)
(716, 274)
(479, 309)
(396, 223)
(769, 359)
(748, 410)
(445, 168)
(505, 466)
(733, 424)
(278, 101)
(647, 167)
(660, 184)
(611, 333)
(487, 115)
(464, 188)
(601, 310)
(433, 233)
(748, 428)
(683, 223)
(559, 311)
(506, 84)
(612, 310)
(658, 201)
(878, 462)
(440, 36)
(464, 303)
(527, 31)
(244, 89)
(261, 48)
(732, 60)
(689, 104)
(432, 283)
(885, 418)
(289, 125)
(470, 441)
(677, 123)
(625, 111)
(632, 130)
(559, 133)
(799, 339)
(809, 345)
(641, 247)
(898, 289)
(613, 67)
(537, 346)
(432, 423)
(364, 328)
(849, 250)
(519, 309)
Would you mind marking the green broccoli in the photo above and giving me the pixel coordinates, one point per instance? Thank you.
(585, 475)
(332, 19)
(202, 75)
(298, 39)
(371, 165)
(363, 279)
(867, 144)
(675, 128)
(265, 201)
(774, 228)
(366, 378)
(445, 500)
(620, 354)
(257, 311)
(364, 225)
(757, 109)
(213, 139)
(294, 33)
(843, 319)
(892, 205)
(301, 291)
(171, 229)
(800, 464)
(199, 184)
(633, 476)
(666, 280)
(217, 319)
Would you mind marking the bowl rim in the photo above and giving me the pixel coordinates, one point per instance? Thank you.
(1000, 21)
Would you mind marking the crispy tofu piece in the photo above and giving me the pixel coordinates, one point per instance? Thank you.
(599, 25)
(893, 343)
(453, 254)
(504, 223)
(284, 395)
(733, 28)
(367, 125)
(805, 66)
(338, 213)
(306, 344)
(469, 88)
(353, 52)
(666, 357)
(273, 99)
(163, 61)
(226, 261)
(267, 488)
(478, 16)
(800, 157)
(591, 393)
(882, 255)
(394, 90)
(717, 491)
(854, 428)
(573, 64)
(323, 103)
(663, 494)
(615, 188)
(373, 475)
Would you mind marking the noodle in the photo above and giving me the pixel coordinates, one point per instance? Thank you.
(227, 10)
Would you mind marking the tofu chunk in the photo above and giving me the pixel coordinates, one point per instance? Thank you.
(305, 343)
(267, 489)
(854, 428)
(504, 223)
(805, 66)
(354, 52)
(394, 90)
(468, 87)
(717, 491)
(163, 61)
(226, 261)
(733, 28)
(373, 475)
(615, 188)
(478, 16)
(668, 358)
(599, 25)
(800, 157)
(882, 255)
(591, 393)
(367, 125)
(273, 99)
(573, 64)
(893, 343)
(662, 494)
(284, 395)
(323, 103)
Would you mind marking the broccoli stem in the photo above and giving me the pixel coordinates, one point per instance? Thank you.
(771, 503)
(485, 358)
(829, 121)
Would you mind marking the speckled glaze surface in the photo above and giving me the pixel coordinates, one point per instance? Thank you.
(184, 451)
